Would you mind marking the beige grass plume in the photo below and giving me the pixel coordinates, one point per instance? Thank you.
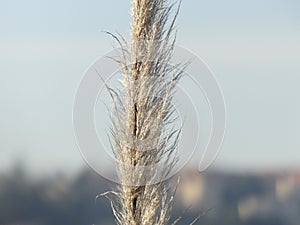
(144, 138)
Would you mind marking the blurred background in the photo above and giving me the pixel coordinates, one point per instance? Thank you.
(253, 48)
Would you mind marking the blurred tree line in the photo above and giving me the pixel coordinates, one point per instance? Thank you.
(61, 200)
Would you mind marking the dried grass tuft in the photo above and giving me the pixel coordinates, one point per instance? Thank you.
(144, 138)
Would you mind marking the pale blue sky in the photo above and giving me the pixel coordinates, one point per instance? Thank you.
(253, 47)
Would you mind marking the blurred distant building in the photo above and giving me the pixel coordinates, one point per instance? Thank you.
(248, 207)
(191, 189)
(285, 186)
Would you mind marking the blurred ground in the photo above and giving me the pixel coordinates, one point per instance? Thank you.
(228, 199)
